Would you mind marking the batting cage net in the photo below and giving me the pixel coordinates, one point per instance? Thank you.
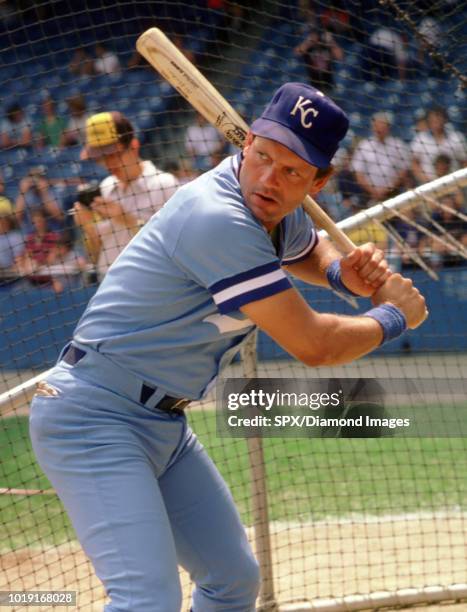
(342, 516)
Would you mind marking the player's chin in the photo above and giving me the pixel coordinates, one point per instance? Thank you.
(264, 205)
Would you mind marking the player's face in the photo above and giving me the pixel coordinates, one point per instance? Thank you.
(274, 181)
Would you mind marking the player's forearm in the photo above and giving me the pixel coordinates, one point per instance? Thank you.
(342, 340)
(316, 339)
(313, 269)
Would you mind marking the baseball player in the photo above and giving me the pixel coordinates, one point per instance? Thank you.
(109, 427)
(134, 190)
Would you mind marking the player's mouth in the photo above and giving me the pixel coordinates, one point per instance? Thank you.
(263, 199)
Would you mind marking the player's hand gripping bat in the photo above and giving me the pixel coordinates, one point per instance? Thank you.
(164, 56)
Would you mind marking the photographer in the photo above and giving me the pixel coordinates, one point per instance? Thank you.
(35, 192)
(133, 192)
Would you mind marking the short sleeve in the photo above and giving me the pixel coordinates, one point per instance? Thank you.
(230, 254)
(301, 237)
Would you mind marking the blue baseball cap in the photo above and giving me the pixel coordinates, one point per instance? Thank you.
(304, 120)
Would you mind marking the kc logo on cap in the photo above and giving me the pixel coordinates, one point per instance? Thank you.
(304, 120)
(305, 110)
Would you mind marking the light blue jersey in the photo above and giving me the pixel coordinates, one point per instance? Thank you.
(168, 308)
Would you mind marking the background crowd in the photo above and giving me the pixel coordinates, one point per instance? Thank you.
(42, 244)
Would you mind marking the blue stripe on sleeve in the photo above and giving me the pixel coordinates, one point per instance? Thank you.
(225, 283)
(253, 295)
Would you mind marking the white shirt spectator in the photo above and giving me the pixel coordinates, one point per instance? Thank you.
(143, 197)
(202, 140)
(381, 162)
(430, 29)
(390, 41)
(426, 148)
(14, 130)
(108, 63)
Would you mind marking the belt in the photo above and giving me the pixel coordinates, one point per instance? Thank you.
(173, 405)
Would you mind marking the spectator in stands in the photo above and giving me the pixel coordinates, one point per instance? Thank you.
(66, 264)
(138, 61)
(385, 55)
(133, 192)
(370, 232)
(180, 44)
(75, 132)
(182, 169)
(456, 227)
(51, 127)
(15, 128)
(432, 37)
(413, 239)
(319, 50)
(6, 207)
(443, 166)
(38, 250)
(421, 124)
(381, 163)
(35, 192)
(202, 142)
(428, 145)
(352, 194)
(11, 244)
(106, 61)
(81, 63)
(335, 18)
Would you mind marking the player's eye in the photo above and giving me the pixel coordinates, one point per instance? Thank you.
(262, 155)
(292, 172)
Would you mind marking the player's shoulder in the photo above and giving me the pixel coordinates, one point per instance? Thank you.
(216, 192)
(210, 208)
(298, 223)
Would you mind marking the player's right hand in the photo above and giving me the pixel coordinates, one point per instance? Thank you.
(401, 292)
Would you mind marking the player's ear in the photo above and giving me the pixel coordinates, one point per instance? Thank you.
(320, 180)
(135, 144)
(248, 140)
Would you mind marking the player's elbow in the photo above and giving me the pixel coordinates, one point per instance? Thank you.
(316, 357)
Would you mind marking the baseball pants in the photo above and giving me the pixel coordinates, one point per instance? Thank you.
(142, 494)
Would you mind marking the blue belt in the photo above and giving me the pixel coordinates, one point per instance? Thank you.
(73, 354)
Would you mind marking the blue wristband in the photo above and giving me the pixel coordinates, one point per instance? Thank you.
(333, 274)
(391, 319)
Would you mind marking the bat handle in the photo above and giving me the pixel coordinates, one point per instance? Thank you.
(325, 222)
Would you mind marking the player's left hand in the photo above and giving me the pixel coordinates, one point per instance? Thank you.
(365, 269)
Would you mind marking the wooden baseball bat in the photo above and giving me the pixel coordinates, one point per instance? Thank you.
(170, 62)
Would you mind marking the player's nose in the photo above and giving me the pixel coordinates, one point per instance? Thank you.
(270, 177)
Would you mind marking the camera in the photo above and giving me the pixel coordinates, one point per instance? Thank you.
(87, 192)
